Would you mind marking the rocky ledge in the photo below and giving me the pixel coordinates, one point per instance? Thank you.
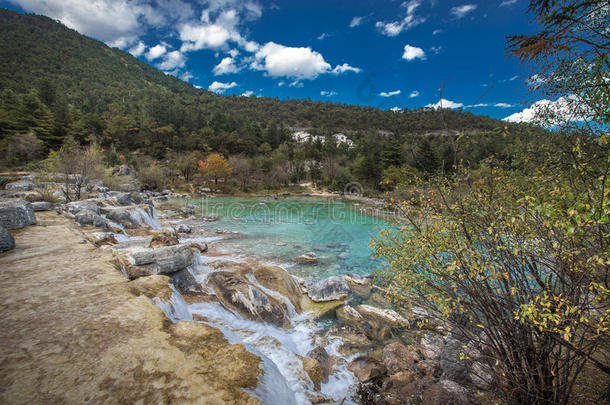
(75, 333)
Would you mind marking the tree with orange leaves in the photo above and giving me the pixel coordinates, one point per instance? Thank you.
(215, 166)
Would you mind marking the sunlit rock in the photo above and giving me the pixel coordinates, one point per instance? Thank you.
(329, 289)
(237, 294)
(16, 213)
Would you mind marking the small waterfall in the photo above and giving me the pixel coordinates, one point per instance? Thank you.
(175, 308)
(149, 219)
(292, 313)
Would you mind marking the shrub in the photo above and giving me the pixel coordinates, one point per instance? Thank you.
(152, 178)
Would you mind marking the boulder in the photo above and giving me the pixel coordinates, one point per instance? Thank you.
(95, 185)
(354, 340)
(366, 368)
(184, 281)
(319, 310)
(139, 261)
(452, 366)
(384, 316)
(321, 355)
(313, 368)
(202, 247)
(397, 357)
(86, 218)
(277, 279)
(359, 285)
(20, 185)
(432, 345)
(6, 240)
(353, 278)
(126, 198)
(183, 228)
(307, 258)
(102, 238)
(43, 206)
(16, 213)
(189, 209)
(330, 289)
(238, 295)
(348, 315)
(430, 368)
(445, 392)
(75, 207)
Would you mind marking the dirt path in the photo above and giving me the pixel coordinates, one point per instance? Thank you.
(74, 330)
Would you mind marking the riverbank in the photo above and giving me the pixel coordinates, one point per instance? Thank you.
(74, 330)
(265, 334)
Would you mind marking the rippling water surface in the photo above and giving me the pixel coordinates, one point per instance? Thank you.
(277, 231)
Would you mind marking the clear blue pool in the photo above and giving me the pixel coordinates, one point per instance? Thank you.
(339, 233)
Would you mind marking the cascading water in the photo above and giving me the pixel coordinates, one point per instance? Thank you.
(149, 219)
(284, 380)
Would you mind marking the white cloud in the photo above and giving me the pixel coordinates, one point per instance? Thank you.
(156, 52)
(247, 93)
(529, 114)
(463, 10)
(436, 32)
(549, 113)
(205, 36)
(219, 87)
(356, 21)
(390, 93)
(507, 3)
(219, 25)
(298, 63)
(186, 76)
(394, 28)
(414, 94)
(328, 93)
(413, 52)
(172, 60)
(322, 36)
(110, 21)
(504, 105)
(444, 103)
(479, 105)
(226, 65)
(345, 68)
(138, 49)
(117, 23)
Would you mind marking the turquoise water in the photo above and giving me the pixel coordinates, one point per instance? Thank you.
(277, 231)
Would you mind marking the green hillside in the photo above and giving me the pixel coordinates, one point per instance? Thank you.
(55, 82)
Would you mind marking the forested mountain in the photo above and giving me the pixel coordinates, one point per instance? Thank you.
(55, 82)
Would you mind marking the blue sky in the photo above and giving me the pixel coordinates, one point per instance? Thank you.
(388, 54)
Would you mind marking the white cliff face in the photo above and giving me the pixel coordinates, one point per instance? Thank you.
(304, 136)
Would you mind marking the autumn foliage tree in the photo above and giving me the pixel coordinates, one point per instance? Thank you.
(515, 258)
(215, 166)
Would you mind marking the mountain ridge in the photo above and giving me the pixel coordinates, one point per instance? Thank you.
(73, 57)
